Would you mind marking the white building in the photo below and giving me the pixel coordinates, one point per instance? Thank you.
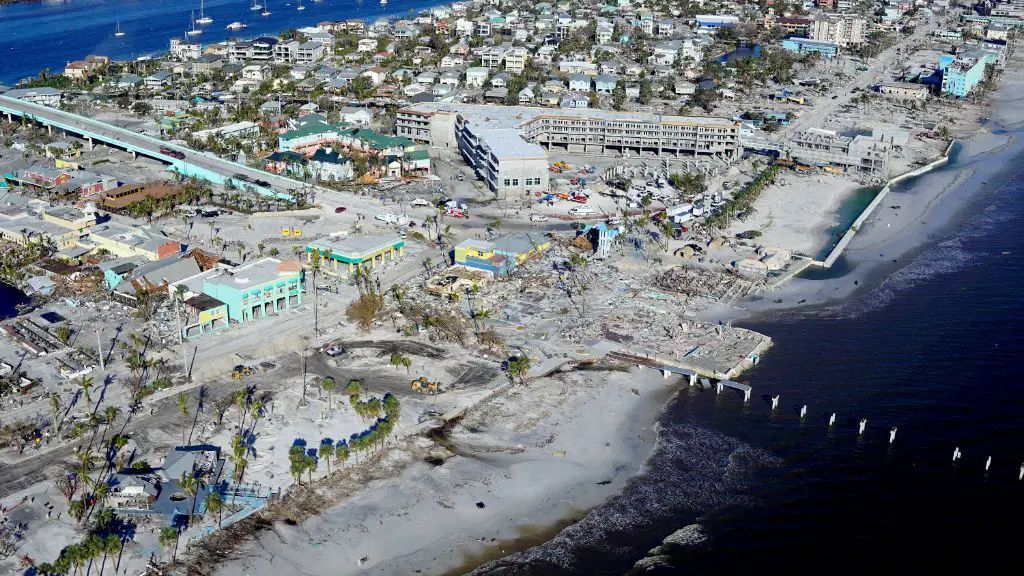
(843, 30)
(503, 160)
(185, 50)
(240, 130)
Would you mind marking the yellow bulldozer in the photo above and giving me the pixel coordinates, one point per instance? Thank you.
(425, 386)
(241, 371)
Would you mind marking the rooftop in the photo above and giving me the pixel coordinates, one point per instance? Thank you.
(253, 274)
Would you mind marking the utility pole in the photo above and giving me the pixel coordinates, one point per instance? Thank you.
(99, 349)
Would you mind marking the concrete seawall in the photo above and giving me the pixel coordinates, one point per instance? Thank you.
(855, 227)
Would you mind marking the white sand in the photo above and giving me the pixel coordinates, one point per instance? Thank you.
(797, 210)
(536, 458)
(929, 207)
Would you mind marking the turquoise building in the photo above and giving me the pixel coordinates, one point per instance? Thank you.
(961, 75)
(808, 46)
(262, 288)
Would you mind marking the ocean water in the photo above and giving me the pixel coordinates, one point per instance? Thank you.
(934, 350)
(51, 33)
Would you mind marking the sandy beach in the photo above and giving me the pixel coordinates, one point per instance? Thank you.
(534, 460)
(528, 460)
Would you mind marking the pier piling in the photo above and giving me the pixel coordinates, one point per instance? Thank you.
(832, 420)
(746, 396)
(665, 373)
(775, 403)
(803, 411)
(956, 454)
(892, 435)
(718, 388)
(988, 463)
(863, 424)
(1020, 476)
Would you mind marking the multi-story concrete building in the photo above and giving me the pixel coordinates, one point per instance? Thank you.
(185, 50)
(583, 131)
(258, 50)
(502, 159)
(904, 91)
(262, 288)
(843, 30)
(515, 59)
(309, 53)
(961, 75)
(285, 52)
(826, 147)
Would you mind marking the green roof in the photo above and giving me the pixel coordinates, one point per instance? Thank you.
(418, 155)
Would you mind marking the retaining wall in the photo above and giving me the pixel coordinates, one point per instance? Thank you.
(855, 227)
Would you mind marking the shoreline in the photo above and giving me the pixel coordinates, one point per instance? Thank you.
(584, 435)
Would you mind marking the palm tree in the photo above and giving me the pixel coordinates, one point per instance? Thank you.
(111, 547)
(341, 452)
(169, 538)
(86, 383)
(238, 452)
(256, 410)
(183, 411)
(215, 505)
(259, 249)
(242, 401)
(191, 484)
(407, 362)
(55, 406)
(314, 267)
(328, 384)
(241, 249)
(326, 451)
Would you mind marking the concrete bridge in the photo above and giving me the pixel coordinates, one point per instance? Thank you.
(195, 164)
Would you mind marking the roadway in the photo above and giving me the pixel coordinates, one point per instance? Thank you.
(863, 79)
(200, 164)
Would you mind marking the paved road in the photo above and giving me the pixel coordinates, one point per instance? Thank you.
(817, 116)
(149, 146)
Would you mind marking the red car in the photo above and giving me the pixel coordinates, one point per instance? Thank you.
(339, 209)
(172, 153)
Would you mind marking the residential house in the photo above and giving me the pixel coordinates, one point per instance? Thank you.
(329, 165)
(156, 80)
(579, 83)
(476, 77)
(575, 101)
(515, 59)
(309, 53)
(605, 83)
(501, 256)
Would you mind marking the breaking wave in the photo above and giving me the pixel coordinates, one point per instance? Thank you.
(691, 470)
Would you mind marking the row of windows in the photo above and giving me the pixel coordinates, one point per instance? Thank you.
(511, 182)
(533, 181)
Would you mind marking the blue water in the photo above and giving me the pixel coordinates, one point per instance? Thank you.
(934, 350)
(9, 299)
(37, 35)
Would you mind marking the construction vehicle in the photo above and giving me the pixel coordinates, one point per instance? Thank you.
(240, 371)
(425, 386)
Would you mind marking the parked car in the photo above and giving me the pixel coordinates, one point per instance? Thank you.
(335, 350)
(241, 177)
(420, 202)
(172, 153)
(455, 213)
(538, 218)
(263, 183)
(339, 209)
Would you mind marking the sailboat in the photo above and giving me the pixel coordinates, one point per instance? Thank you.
(255, 6)
(203, 19)
(266, 9)
(301, 7)
(117, 31)
(193, 31)
(383, 2)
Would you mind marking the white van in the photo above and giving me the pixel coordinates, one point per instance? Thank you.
(420, 202)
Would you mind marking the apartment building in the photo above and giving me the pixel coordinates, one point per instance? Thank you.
(502, 159)
(258, 50)
(185, 50)
(961, 75)
(844, 30)
(583, 131)
(309, 53)
(515, 59)
(285, 52)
